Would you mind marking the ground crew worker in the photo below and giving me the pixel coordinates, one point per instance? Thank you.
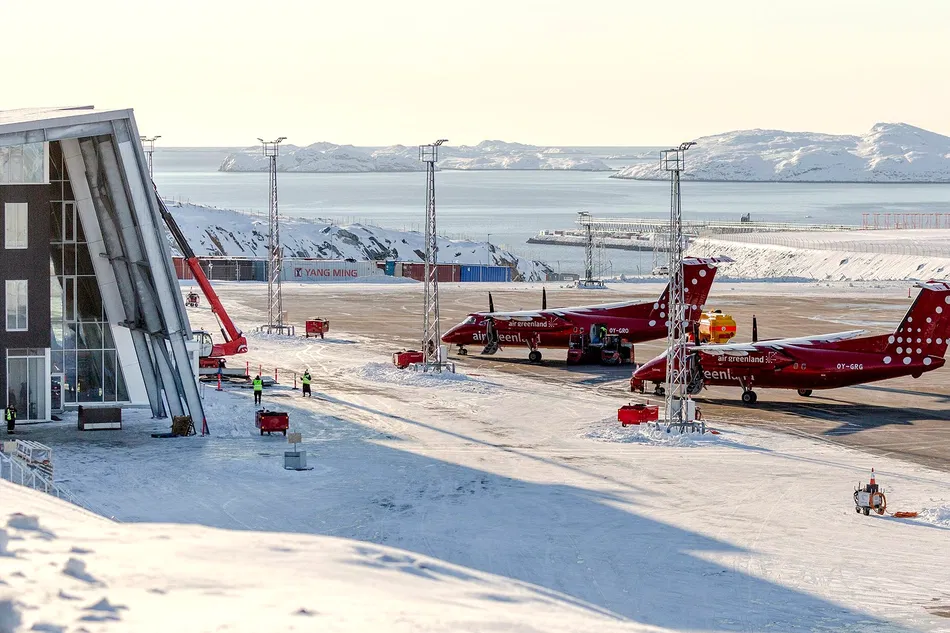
(9, 414)
(305, 381)
(258, 389)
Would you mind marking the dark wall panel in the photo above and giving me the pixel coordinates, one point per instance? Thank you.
(31, 264)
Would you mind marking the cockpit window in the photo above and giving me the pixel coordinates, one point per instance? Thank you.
(469, 321)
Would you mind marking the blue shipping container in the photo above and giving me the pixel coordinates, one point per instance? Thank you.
(485, 273)
(391, 268)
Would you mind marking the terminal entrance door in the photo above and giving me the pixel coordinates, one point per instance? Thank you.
(56, 393)
(28, 383)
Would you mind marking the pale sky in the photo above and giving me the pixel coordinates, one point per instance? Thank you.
(551, 72)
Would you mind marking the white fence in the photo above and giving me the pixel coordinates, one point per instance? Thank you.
(15, 471)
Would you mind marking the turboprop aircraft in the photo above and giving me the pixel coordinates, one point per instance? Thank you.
(826, 361)
(562, 328)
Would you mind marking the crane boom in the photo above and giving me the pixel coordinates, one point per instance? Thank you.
(234, 341)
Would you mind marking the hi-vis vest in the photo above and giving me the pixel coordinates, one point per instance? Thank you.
(306, 379)
(258, 384)
(8, 414)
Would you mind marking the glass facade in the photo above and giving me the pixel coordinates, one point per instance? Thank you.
(82, 347)
(24, 164)
(26, 382)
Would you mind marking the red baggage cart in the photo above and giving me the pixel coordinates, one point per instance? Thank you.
(638, 413)
(272, 421)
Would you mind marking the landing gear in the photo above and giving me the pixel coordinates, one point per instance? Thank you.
(804, 393)
(749, 397)
(462, 351)
(659, 390)
(534, 356)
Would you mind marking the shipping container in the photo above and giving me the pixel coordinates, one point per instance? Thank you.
(182, 271)
(479, 272)
(328, 270)
(447, 273)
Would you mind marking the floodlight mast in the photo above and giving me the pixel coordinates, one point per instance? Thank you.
(431, 328)
(148, 144)
(275, 304)
(678, 369)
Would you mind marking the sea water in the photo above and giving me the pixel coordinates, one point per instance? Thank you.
(508, 207)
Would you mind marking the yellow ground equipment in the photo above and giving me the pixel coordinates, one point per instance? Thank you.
(716, 327)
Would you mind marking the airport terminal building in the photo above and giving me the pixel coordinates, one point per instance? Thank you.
(93, 314)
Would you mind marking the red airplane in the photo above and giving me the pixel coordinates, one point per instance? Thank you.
(821, 362)
(561, 327)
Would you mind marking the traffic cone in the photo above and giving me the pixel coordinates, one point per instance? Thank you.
(873, 482)
(219, 383)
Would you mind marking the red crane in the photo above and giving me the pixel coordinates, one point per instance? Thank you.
(212, 354)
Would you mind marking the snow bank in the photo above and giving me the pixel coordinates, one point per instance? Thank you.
(889, 152)
(610, 430)
(81, 572)
(936, 516)
(383, 372)
(838, 260)
(224, 232)
(329, 157)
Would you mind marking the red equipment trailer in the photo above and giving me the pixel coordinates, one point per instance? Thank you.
(272, 421)
(406, 357)
(638, 413)
(317, 327)
(234, 341)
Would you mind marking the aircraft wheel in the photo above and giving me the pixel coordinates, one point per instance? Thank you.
(534, 356)
(660, 391)
(463, 351)
(804, 393)
(749, 397)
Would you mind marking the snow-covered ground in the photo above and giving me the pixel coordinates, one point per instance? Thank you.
(65, 569)
(882, 255)
(213, 231)
(329, 157)
(889, 152)
(490, 474)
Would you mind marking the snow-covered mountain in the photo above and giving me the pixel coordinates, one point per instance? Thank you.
(224, 232)
(889, 152)
(328, 157)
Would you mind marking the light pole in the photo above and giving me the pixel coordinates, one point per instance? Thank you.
(148, 144)
(431, 329)
(275, 306)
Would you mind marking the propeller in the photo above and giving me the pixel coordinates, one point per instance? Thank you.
(544, 298)
(755, 330)
(491, 304)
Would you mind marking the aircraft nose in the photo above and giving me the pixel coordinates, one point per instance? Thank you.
(653, 370)
(451, 336)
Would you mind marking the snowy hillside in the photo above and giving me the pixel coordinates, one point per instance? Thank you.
(328, 157)
(889, 152)
(212, 231)
(66, 569)
(833, 256)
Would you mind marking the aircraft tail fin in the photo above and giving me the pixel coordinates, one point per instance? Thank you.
(698, 276)
(923, 331)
